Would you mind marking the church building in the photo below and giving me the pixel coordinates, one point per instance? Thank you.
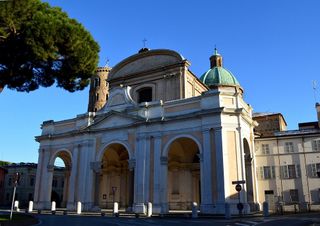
(154, 132)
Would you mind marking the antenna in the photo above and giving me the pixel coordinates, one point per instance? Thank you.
(315, 87)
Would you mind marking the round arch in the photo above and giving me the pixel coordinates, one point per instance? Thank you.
(60, 177)
(105, 147)
(115, 179)
(166, 148)
(64, 154)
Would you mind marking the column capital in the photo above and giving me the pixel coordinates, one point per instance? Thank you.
(132, 164)
(163, 160)
(50, 168)
(95, 166)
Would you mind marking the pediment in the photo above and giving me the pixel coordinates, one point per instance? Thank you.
(114, 119)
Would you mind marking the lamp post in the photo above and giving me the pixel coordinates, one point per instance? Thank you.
(114, 192)
(16, 180)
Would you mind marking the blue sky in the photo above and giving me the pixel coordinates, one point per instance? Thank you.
(271, 46)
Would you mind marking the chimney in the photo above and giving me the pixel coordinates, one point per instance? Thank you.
(318, 113)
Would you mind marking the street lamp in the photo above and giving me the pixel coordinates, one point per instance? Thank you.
(16, 181)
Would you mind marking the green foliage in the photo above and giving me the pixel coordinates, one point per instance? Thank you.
(4, 163)
(40, 45)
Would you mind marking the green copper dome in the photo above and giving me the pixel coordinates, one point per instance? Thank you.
(219, 76)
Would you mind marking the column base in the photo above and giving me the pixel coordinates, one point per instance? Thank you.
(156, 208)
(42, 205)
(139, 208)
(71, 206)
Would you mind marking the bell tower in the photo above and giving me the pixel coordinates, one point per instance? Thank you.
(99, 89)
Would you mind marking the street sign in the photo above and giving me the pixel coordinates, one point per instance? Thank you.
(240, 206)
(238, 187)
(239, 182)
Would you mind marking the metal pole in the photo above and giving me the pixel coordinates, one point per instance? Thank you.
(14, 194)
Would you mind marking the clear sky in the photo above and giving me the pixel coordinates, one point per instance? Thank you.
(271, 46)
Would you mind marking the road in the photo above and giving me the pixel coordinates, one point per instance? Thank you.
(61, 220)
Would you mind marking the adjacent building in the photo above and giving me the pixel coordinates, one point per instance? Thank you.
(3, 172)
(26, 184)
(288, 163)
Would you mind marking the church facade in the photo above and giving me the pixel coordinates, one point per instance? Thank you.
(154, 132)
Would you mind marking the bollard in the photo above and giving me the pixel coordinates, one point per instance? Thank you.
(227, 211)
(53, 207)
(103, 214)
(30, 208)
(149, 213)
(194, 210)
(16, 206)
(115, 209)
(79, 207)
(265, 209)
(65, 212)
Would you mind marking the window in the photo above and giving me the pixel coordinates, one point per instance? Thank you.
(97, 96)
(30, 197)
(62, 183)
(9, 181)
(265, 149)
(31, 181)
(266, 172)
(96, 82)
(288, 148)
(294, 195)
(316, 145)
(314, 169)
(290, 171)
(145, 95)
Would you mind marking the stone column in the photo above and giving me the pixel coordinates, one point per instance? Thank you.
(96, 167)
(140, 176)
(156, 207)
(164, 184)
(205, 172)
(220, 202)
(71, 204)
(38, 183)
(47, 186)
(87, 180)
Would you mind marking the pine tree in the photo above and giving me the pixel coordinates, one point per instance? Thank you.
(41, 46)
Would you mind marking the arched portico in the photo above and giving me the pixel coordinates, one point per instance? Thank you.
(115, 179)
(59, 177)
(182, 185)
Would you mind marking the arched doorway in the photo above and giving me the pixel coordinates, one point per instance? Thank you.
(183, 174)
(248, 169)
(116, 180)
(60, 179)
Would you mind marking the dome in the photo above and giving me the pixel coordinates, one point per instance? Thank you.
(219, 76)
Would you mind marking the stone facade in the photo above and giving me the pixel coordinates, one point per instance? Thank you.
(287, 164)
(3, 172)
(26, 185)
(162, 137)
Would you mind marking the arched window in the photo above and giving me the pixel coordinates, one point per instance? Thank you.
(96, 82)
(145, 95)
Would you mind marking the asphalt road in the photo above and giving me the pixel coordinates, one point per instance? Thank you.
(61, 220)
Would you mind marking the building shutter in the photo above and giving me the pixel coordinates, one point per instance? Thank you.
(298, 171)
